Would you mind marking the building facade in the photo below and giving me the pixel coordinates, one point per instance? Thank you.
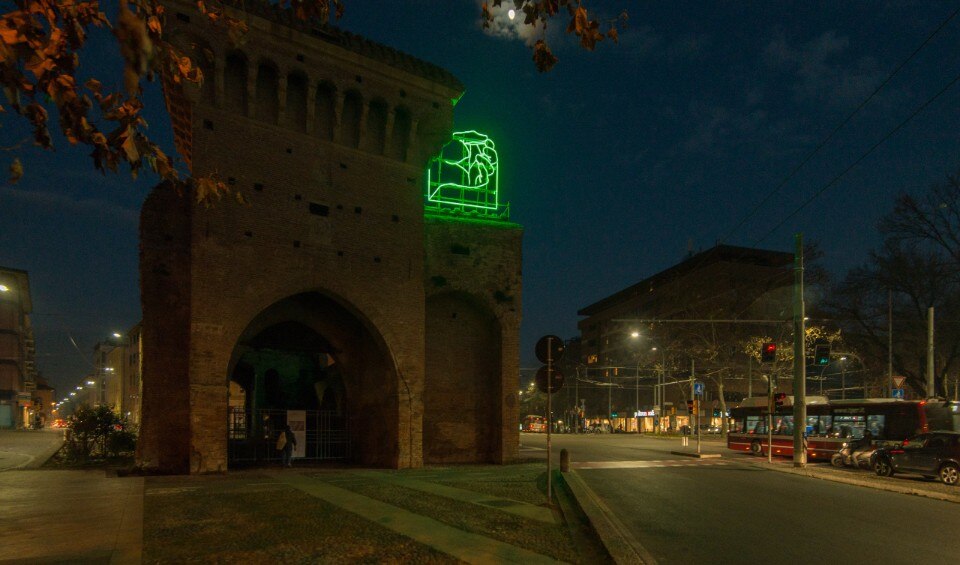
(337, 289)
(694, 318)
(17, 350)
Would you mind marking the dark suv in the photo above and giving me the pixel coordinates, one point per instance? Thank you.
(936, 454)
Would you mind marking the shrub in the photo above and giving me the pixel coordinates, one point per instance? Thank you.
(98, 432)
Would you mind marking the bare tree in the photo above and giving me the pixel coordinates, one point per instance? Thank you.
(918, 265)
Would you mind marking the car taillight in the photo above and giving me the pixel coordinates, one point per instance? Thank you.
(896, 451)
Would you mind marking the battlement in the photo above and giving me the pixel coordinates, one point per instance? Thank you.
(322, 82)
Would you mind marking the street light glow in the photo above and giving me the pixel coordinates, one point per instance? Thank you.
(73, 394)
(511, 13)
(91, 383)
(634, 334)
(4, 288)
(79, 388)
(844, 358)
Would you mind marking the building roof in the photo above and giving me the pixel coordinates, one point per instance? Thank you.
(717, 254)
(352, 42)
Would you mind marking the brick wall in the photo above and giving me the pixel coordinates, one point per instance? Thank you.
(333, 237)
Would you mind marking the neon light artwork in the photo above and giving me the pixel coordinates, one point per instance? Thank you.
(463, 179)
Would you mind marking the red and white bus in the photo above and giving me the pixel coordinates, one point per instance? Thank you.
(831, 423)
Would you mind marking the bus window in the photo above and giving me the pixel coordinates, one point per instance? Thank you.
(904, 422)
(814, 426)
(752, 423)
(849, 425)
(736, 425)
(875, 425)
(784, 426)
(938, 416)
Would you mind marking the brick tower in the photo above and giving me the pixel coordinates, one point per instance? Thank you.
(334, 292)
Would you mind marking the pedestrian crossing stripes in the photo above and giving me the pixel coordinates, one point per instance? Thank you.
(645, 464)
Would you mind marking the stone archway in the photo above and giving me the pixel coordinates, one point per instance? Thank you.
(463, 381)
(311, 352)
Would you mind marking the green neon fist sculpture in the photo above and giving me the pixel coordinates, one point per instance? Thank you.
(463, 179)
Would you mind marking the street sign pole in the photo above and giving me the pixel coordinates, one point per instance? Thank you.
(549, 416)
(549, 349)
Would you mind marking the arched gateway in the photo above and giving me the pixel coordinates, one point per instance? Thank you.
(374, 305)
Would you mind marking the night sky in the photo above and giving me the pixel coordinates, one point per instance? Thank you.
(616, 162)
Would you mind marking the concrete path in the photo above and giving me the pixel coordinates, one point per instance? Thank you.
(466, 546)
(70, 517)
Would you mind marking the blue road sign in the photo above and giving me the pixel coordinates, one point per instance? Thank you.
(698, 389)
(898, 393)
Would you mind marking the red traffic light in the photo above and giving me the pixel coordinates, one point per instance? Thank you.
(768, 352)
(779, 398)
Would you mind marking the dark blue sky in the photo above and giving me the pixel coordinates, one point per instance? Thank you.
(615, 162)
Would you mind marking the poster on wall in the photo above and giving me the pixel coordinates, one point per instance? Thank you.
(297, 420)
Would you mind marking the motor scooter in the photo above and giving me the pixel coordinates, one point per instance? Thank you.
(853, 454)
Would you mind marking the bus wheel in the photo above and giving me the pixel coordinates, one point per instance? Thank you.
(950, 474)
(756, 448)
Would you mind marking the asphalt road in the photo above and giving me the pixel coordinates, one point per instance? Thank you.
(685, 510)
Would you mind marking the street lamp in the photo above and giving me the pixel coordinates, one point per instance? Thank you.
(843, 377)
(4, 288)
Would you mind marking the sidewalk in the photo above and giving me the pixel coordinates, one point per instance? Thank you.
(70, 517)
(28, 449)
(472, 514)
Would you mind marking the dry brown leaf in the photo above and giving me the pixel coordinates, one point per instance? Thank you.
(16, 170)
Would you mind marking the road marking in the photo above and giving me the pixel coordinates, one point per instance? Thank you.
(645, 464)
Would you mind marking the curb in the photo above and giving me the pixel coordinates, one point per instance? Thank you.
(39, 460)
(619, 543)
(862, 483)
(697, 455)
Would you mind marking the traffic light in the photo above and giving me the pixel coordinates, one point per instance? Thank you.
(768, 352)
(779, 398)
(691, 407)
(821, 354)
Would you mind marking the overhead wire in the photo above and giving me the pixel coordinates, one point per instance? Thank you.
(866, 154)
(835, 130)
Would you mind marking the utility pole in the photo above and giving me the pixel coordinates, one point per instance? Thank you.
(931, 382)
(890, 342)
(749, 377)
(799, 361)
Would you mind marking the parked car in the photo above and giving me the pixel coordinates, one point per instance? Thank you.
(935, 454)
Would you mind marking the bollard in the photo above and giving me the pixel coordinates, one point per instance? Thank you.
(564, 460)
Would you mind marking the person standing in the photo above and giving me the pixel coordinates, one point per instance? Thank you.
(286, 442)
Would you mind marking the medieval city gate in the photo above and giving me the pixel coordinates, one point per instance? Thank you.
(352, 284)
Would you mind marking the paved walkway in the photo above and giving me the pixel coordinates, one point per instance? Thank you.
(70, 517)
(59, 516)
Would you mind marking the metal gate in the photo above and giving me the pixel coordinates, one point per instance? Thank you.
(252, 436)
